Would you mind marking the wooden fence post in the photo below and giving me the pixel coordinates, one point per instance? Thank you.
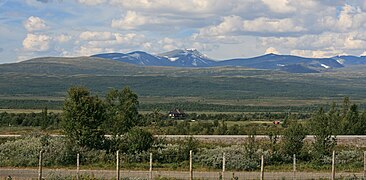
(223, 165)
(294, 167)
(117, 166)
(40, 165)
(262, 168)
(333, 166)
(364, 165)
(77, 166)
(151, 160)
(190, 166)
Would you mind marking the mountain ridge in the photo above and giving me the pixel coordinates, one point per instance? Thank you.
(193, 58)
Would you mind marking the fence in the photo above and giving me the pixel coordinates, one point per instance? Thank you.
(145, 167)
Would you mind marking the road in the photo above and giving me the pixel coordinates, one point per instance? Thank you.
(109, 174)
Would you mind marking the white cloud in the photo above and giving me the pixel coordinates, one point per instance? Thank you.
(270, 26)
(317, 53)
(132, 20)
(177, 7)
(93, 42)
(34, 24)
(91, 2)
(87, 51)
(363, 54)
(35, 42)
(169, 44)
(350, 18)
(326, 53)
(221, 28)
(264, 26)
(63, 38)
(279, 6)
(228, 25)
(351, 42)
(271, 50)
(96, 36)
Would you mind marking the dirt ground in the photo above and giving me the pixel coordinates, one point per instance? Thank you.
(108, 174)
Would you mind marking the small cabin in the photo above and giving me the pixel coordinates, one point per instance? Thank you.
(177, 114)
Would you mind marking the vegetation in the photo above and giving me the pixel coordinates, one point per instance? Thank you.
(86, 118)
(82, 118)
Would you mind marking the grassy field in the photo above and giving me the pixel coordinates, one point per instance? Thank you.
(44, 82)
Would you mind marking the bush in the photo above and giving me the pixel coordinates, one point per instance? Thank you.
(22, 152)
(236, 158)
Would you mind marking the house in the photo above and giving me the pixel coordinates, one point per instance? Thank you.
(177, 114)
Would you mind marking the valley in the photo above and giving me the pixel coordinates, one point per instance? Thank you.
(196, 89)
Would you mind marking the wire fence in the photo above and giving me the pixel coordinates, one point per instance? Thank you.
(177, 166)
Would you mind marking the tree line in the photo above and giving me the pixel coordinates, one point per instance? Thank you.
(87, 118)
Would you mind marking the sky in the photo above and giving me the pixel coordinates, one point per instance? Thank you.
(221, 29)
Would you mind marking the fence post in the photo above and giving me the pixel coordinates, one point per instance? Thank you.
(151, 175)
(294, 168)
(262, 168)
(223, 165)
(364, 165)
(40, 165)
(190, 166)
(117, 166)
(333, 166)
(77, 166)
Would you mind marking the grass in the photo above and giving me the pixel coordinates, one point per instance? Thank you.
(23, 130)
(17, 111)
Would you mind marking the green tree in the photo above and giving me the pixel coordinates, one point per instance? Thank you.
(82, 117)
(139, 140)
(293, 138)
(122, 110)
(322, 129)
(45, 121)
(363, 122)
(335, 119)
(353, 121)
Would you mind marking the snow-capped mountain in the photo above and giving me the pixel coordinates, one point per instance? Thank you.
(350, 60)
(177, 58)
(137, 57)
(193, 58)
(274, 61)
(188, 58)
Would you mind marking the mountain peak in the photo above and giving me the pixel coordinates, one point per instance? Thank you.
(194, 58)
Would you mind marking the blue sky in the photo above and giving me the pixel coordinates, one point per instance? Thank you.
(220, 29)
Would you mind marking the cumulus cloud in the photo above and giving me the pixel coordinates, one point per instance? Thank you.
(132, 20)
(279, 6)
(35, 42)
(177, 7)
(62, 38)
(96, 36)
(91, 2)
(43, 1)
(351, 42)
(234, 28)
(34, 23)
(271, 50)
(350, 18)
(92, 42)
(260, 26)
(270, 26)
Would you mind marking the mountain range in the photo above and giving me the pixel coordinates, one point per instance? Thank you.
(193, 58)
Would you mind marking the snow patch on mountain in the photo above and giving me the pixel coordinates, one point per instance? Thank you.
(173, 58)
(340, 61)
(325, 66)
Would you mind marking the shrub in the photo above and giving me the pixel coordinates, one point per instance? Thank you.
(22, 152)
